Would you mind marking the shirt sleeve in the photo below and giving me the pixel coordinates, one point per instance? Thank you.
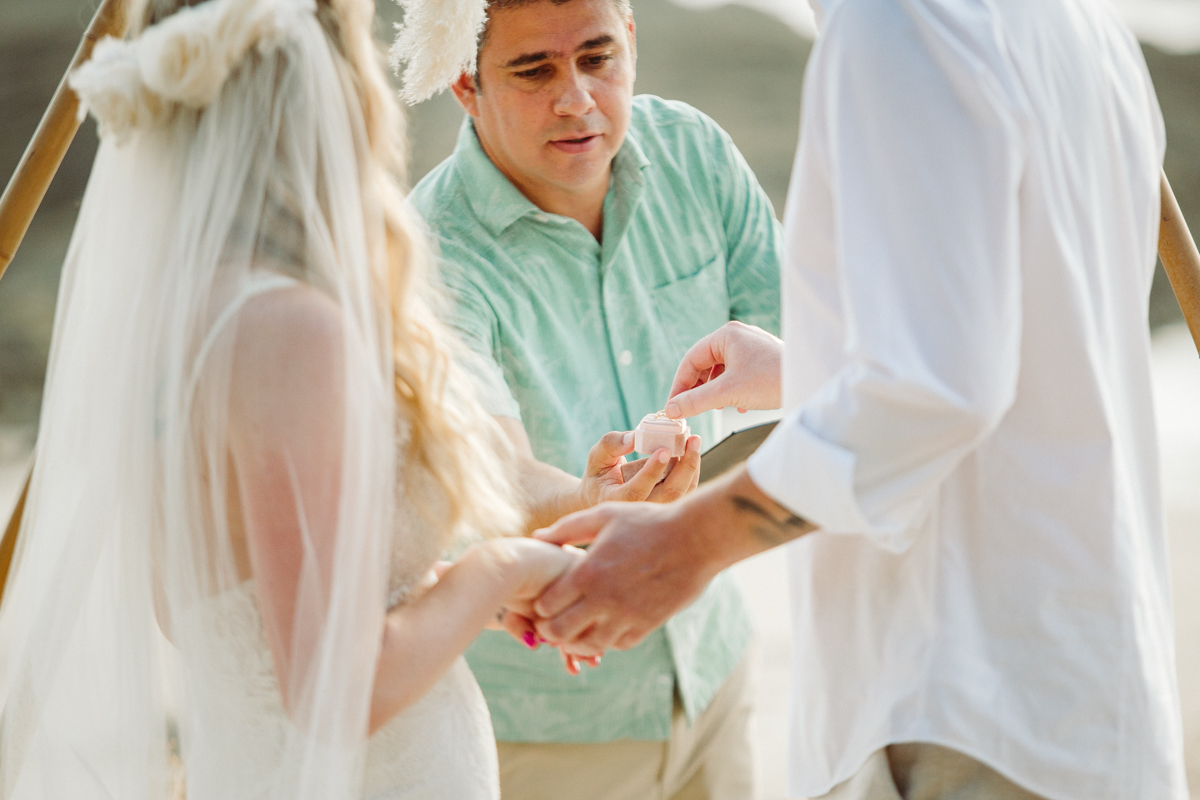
(911, 143)
(754, 239)
(473, 319)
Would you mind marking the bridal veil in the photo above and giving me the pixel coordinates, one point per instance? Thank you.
(231, 167)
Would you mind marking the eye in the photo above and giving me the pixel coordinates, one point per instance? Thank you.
(531, 73)
(598, 60)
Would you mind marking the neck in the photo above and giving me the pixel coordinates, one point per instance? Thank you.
(584, 204)
(586, 207)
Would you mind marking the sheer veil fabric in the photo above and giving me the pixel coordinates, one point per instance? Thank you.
(196, 234)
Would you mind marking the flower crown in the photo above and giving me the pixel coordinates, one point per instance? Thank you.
(182, 61)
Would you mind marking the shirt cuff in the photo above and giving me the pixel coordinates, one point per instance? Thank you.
(814, 479)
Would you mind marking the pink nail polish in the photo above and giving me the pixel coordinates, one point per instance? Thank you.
(530, 640)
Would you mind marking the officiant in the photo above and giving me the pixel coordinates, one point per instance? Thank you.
(588, 237)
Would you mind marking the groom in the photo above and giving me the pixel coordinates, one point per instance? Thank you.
(588, 237)
(980, 597)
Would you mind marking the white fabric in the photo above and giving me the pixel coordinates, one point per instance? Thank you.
(971, 232)
(175, 442)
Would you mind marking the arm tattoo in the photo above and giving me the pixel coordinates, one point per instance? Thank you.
(771, 530)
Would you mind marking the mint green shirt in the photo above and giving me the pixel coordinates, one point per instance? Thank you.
(578, 338)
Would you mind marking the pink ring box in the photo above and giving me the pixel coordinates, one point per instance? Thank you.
(657, 431)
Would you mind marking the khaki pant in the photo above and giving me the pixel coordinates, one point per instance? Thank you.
(919, 771)
(713, 759)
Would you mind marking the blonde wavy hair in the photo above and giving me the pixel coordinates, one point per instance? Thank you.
(452, 436)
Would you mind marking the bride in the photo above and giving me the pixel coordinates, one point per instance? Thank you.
(255, 444)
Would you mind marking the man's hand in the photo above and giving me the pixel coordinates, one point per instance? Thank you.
(551, 494)
(656, 479)
(736, 366)
(647, 562)
(638, 572)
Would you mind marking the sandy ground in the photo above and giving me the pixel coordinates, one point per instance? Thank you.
(764, 578)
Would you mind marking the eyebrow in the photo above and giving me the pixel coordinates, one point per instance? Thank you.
(533, 58)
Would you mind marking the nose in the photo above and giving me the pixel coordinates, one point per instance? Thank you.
(574, 99)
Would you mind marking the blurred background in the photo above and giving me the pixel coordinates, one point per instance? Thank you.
(742, 65)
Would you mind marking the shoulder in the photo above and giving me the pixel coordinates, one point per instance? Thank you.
(287, 337)
(900, 45)
(656, 122)
(440, 194)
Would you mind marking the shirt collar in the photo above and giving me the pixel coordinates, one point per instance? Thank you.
(498, 204)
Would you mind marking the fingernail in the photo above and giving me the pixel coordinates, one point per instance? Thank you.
(530, 640)
(672, 409)
(628, 438)
(663, 456)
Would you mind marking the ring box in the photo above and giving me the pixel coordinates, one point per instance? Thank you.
(656, 431)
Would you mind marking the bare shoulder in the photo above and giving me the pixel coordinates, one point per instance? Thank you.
(290, 344)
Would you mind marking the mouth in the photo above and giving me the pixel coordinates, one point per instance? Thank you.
(577, 144)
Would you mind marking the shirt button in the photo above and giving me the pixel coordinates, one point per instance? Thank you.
(541, 218)
(626, 358)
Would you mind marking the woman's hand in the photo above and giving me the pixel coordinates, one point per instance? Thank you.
(537, 565)
(736, 366)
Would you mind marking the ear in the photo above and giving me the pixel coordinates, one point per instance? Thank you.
(629, 23)
(467, 92)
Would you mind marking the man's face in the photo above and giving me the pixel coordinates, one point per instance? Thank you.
(555, 93)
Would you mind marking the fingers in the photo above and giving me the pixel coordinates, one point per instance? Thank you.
(642, 484)
(571, 624)
(578, 528)
(703, 398)
(630, 639)
(609, 451)
(582, 637)
(520, 628)
(684, 477)
(631, 468)
(696, 363)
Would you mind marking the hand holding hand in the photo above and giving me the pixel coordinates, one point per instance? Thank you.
(538, 565)
(636, 575)
(737, 366)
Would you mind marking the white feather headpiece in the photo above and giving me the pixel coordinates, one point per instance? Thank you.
(438, 41)
(182, 61)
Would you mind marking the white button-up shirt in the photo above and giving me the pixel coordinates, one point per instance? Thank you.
(971, 231)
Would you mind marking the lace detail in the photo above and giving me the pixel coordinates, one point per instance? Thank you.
(440, 747)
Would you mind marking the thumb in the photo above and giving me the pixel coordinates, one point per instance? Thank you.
(578, 528)
(704, 397)
(608, 452)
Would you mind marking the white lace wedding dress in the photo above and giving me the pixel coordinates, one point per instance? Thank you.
(440, 748)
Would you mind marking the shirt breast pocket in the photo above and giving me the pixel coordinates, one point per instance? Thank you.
(694, 306)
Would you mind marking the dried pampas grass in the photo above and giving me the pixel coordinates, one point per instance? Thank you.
(436, 43)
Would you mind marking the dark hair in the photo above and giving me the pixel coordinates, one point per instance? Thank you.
(623, 7)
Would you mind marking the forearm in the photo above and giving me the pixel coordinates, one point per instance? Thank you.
(422, 638)
(734, 520)
(550, 493)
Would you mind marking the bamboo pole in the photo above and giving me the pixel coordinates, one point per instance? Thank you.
(8, 546)
(28, 186)
(1181, 260)
(54, 133)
